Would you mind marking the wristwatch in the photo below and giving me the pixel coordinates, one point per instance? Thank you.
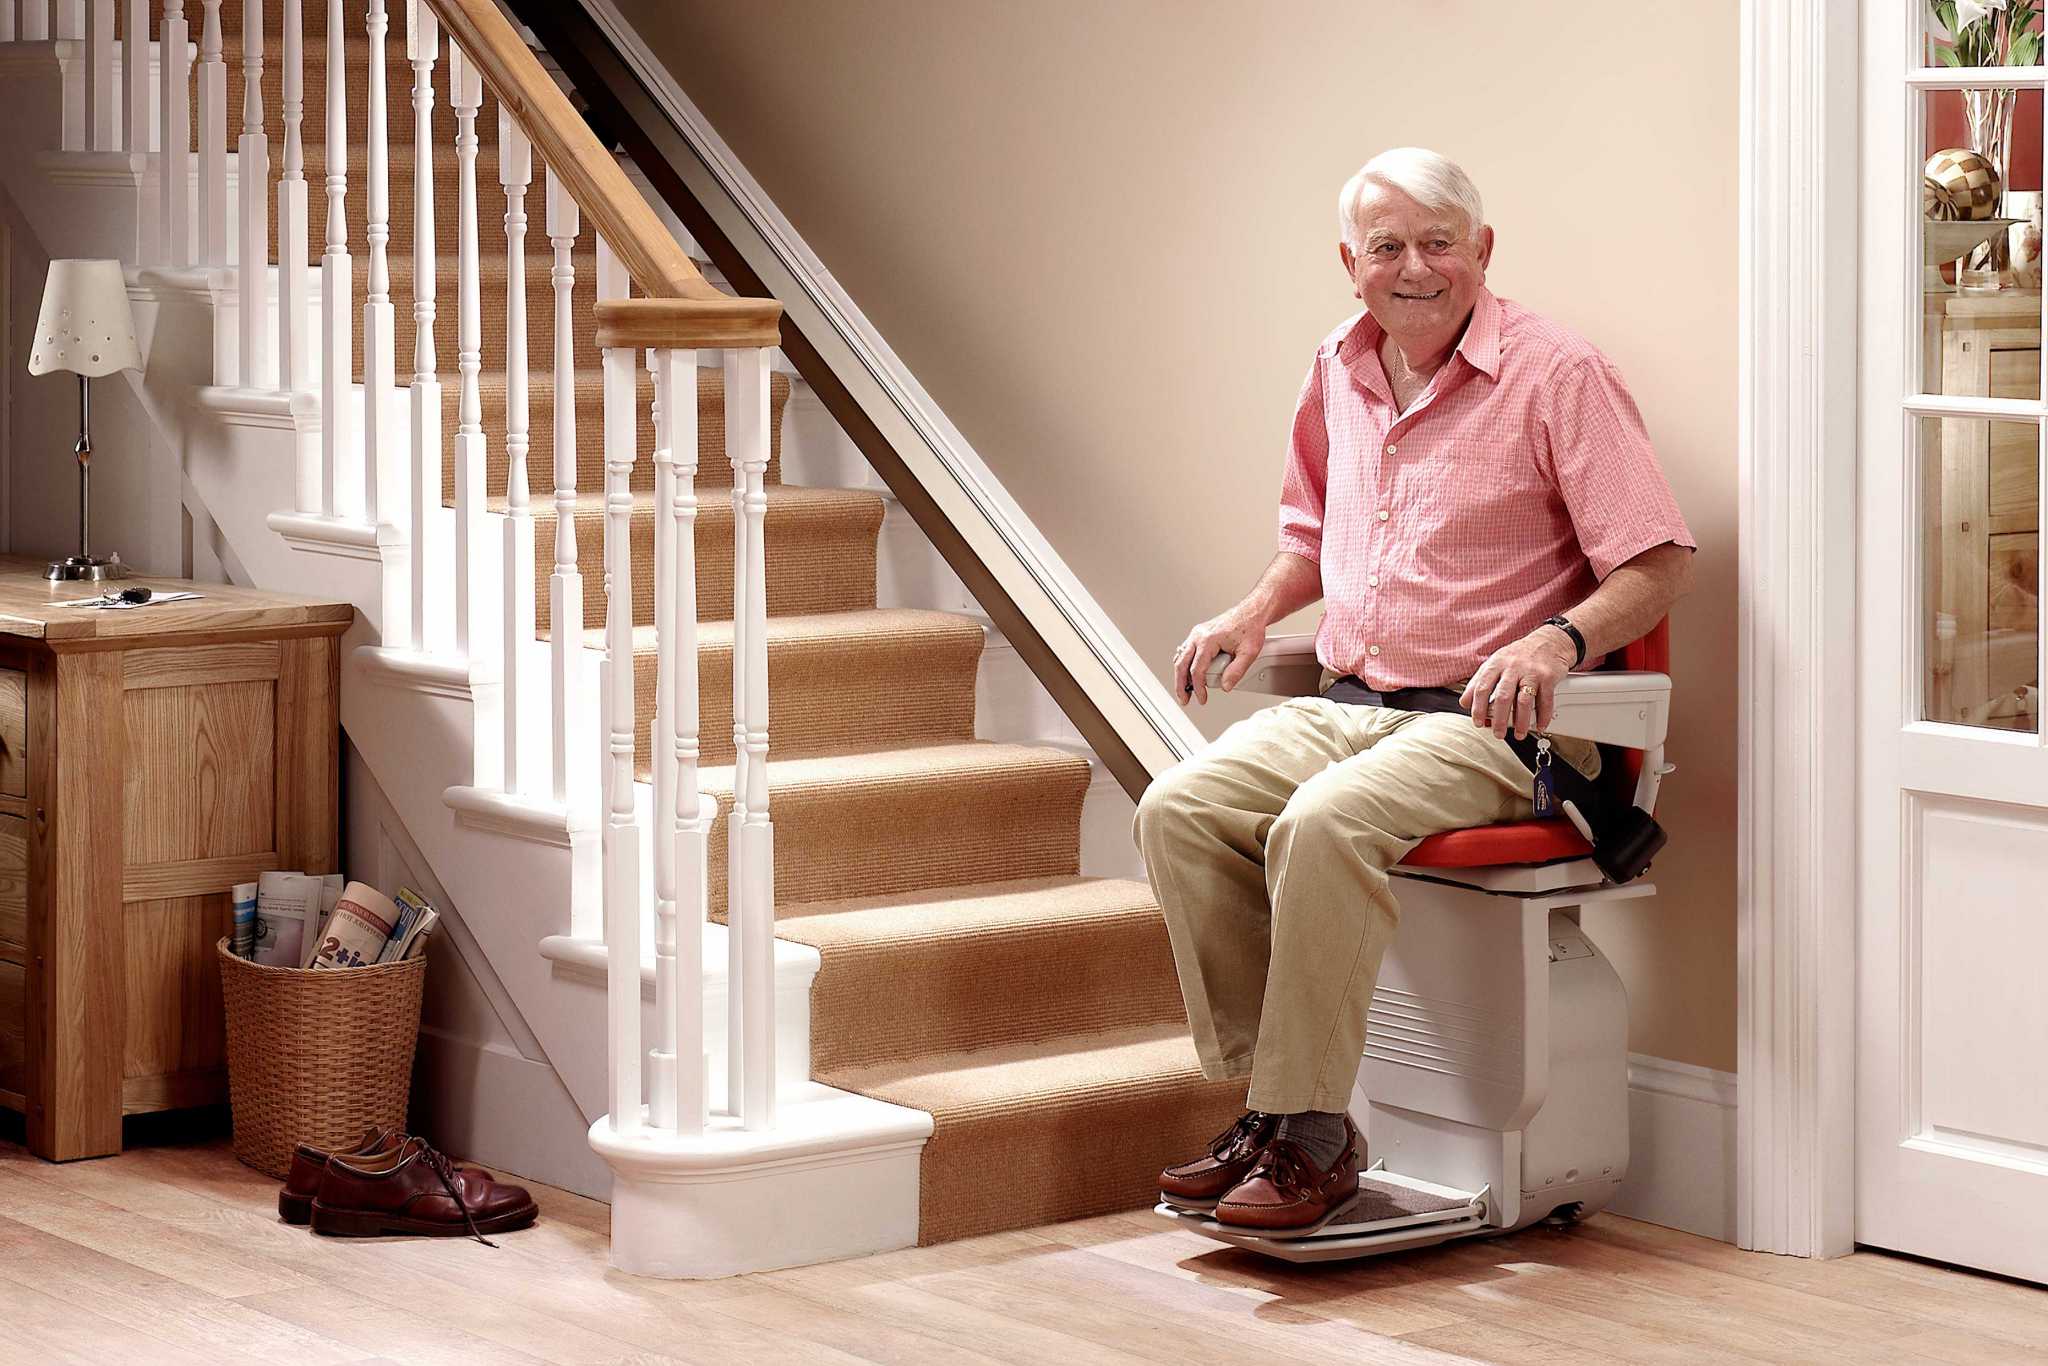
(1578, 640)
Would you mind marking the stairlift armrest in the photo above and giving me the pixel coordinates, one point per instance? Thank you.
(1286, 667)
(1632, 710)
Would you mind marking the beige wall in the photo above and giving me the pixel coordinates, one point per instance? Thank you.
(1103, 237)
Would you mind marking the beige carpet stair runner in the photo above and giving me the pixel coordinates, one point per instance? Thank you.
(968, 970)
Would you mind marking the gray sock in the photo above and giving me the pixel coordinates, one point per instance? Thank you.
(1320, 1134)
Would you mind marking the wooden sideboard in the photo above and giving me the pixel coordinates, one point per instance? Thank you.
(149, 760)
(1981, 495)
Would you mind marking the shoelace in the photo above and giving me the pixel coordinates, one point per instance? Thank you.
(1287, 1167)
(439, 1163)
(1232, 1141)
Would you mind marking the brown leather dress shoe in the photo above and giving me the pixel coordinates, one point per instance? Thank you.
(302, 1182)
(415, 1189)
(1198, 1184)
(1285, 1192)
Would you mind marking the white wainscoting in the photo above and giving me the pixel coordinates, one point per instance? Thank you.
(1681, 1133)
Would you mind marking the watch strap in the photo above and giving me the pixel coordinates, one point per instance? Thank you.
(1578, 641)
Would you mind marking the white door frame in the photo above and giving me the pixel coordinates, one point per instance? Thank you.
(1796, 640)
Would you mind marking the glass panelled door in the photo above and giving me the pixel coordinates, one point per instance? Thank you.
(1952, 1126)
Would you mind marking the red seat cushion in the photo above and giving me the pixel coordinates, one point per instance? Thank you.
(1488, 846)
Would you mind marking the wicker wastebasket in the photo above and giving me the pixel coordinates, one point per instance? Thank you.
(314, 1057)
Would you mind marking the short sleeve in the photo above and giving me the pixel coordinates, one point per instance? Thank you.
(1307, 474)
(1604, 468)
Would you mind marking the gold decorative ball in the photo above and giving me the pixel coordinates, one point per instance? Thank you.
(1967, 180)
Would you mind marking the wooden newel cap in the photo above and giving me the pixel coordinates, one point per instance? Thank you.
(688, 324)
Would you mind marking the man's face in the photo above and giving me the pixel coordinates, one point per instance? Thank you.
(1419, 270)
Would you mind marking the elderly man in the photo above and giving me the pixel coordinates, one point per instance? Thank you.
(1470, 489)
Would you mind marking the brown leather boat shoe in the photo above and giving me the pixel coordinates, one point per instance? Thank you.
(1199, 1183)
(1284, 1191)
(302, 1182)
(415, 1189)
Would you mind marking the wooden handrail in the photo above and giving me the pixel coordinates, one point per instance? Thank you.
(711, 324)
(653, 258)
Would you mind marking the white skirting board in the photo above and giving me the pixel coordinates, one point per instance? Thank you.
(1681, 1165)
(485, 1103)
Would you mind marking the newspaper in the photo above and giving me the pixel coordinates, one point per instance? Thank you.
(287, 915)
(244, 901)
(416, 920)
(357, 933)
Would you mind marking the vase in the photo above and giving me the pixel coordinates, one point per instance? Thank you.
(1989, 113)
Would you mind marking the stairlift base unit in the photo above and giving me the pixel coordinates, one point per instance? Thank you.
(1496, 1072)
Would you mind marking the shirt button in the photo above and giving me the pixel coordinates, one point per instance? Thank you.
(1374, 650)
(1383, 514)
(1390, 448)
(1372, 581)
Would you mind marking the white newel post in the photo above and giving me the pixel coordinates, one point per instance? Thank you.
(252, 180)
(135, 64)
(621, 836)
(515, 174)
(99, 75)
(213, 140)
(750, 852)
(174, 126)
(422, 41)
(341, 471)
(689, 833)
(476, 604)
(565, 585)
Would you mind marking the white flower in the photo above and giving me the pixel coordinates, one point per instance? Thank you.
(1969, 12)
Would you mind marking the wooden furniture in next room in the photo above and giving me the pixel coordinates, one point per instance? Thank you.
(149, 760)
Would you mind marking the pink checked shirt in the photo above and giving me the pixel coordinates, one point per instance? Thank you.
(1517, 482)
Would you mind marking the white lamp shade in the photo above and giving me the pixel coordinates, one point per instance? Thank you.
(85, 326)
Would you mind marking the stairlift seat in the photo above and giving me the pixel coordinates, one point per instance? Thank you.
(1495, 1066)
(1557, 839)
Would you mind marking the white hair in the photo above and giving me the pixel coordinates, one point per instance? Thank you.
(1429, 178)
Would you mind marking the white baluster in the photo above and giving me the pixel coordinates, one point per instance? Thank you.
(35, 21)
(213, 141)
(476, 604)
(661, 1060)
(750, 856)
(252, 180)
(174, 128)
(340, 466)
(381, 448)
(99, 75)
(67, 19)
(621, 836)
(422, 41)
(677, 747)
(135, 63)
(515, 173)
(7, 30)
(565, 585)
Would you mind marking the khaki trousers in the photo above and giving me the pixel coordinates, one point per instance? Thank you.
(1269, 853)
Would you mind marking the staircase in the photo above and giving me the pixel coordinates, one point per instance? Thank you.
(967, 1032)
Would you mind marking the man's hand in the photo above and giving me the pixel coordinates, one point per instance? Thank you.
(1241, 631)
(1517, 686)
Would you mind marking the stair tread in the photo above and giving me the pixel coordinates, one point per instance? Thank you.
(961, 761)
(1107, 1065)
(935, 913)
(865, 625)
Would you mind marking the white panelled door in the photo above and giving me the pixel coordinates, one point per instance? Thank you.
(1952, 1071)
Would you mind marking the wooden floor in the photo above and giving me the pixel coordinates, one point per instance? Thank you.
(175, 1254)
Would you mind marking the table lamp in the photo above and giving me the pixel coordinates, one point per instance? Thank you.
(87, 329)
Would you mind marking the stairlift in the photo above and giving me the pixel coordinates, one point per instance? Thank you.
(1495, 1075)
